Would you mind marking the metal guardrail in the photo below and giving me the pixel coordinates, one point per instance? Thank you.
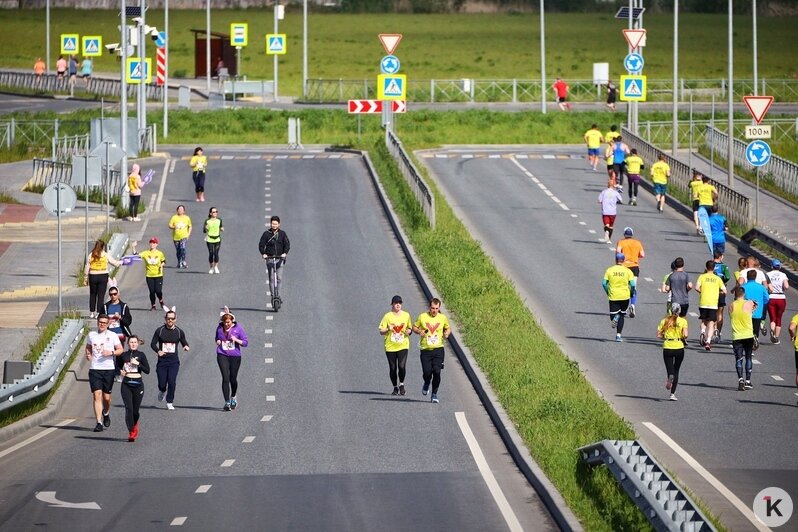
(47, 172)
(262, 87)
(50, 84)
(782, 172)
(660, 133)
(660, 499)
(778, 245)
(420, 189)
(47, 368)
(735, 206)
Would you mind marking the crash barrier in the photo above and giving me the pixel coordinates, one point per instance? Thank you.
(411, 174)
(47, 172)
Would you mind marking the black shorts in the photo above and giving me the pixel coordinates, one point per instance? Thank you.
(562, 99)
(796, 360)
(695, 205)
(619, 306)
(635, 270)
(707, 314)
(101, 379)
(721, 300)
(683, 311)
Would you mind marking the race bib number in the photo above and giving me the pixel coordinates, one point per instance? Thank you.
(97, 349)
(131, 368)
(169, 347)
(397, 338)
(180, 226)
(433, 339)
(113, 324)
(153, 260)
(228, 345)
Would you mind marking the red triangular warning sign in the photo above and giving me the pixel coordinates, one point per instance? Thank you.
(390, 41)
(635, 38)
(758, 106)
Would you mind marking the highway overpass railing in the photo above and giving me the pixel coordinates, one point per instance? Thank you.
(420, 189)
(735, 206)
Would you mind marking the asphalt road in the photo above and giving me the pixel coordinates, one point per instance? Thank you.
(547, 243)
(317, 441)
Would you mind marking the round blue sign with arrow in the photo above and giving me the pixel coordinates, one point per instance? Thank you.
(389, 64)
(633, 63)
(758, 153)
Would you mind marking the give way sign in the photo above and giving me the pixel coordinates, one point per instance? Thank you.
(758, 106)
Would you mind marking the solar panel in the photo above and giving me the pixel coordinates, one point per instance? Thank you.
(623, 13)
(132, 11)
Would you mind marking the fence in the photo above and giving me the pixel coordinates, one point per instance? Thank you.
(660, 133)
(50, 84)
(782, 172)
(732, 204)
(420, 189)
(46, 173)
(529, 90)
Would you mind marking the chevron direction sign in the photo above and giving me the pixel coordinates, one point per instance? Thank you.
(375, 106)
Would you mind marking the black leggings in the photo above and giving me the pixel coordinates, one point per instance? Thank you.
(98, 284)
(673, 361)
(199, 181)
(397, 360)
(633, 185)
(431, 365)
(229, 368)
(213, 251)
(155, 284)
(134, 205)
(132, 396)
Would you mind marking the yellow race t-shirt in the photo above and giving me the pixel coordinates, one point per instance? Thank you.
(399, 327)
(99, 264)
(672, 336)
(659, 172)
(619, 277)
(611, 135)
(609, 155)
(710, 286)
(133, 181)
(705, 192)
(633, 164)
(593, 137)
(694, 184)
(742, 323)
(794, 321)
(198, 163)
(153, 262)
(434, 328)
(181, 226)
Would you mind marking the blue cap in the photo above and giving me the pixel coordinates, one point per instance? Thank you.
(628, 231)
(619, 256)
(775, 263)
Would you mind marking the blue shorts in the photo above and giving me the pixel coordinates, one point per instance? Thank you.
(593, 151)
(660, 189)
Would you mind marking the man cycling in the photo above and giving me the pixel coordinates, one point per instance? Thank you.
(274, 246)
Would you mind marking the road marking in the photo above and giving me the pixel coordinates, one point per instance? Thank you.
(776, 378)
(269, 361)
(574, 216)
(549, 193)
(266, 418)
(225, 157)
(693, 314)
(649, 279)
(270, 398)
(755, 361)
(160, 193)
(564, 207)
(717, 484)
(269, 318)
(267, 195)
(269, 380)
(487, 474)
(32, 439)
(172, 166)
(178, 521)
(248, 439)
(268, 331)
(228, 462)
(203, 488)
(601, 240)
(582, 223)
(267, 202)
(536, 180)
(556, 199)
(591, 231)
(267, 345)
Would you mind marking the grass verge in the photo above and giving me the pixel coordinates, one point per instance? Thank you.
(5, 197)
(28, 408)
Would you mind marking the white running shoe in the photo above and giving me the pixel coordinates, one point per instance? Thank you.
(161, 395)
(672, 398)
(210, 271)
(216, 269)
(170, 406)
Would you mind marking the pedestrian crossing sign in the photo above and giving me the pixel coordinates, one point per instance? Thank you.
(391, 87)
(138, 71)
(275, 43)
(92, 45)
(633, 88)
(239, 33)
(69, 43)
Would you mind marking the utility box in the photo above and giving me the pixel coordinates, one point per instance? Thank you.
(220, 49)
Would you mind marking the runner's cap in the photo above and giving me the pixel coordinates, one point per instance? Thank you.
(154, 240)
(627, 231)
(396, 299)
(619, 257)
(775, 263)
(676, 308)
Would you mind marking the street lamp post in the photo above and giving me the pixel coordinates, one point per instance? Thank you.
(730, 151)
(207, 46)
(276, 10)
(123, 101)
(675, 144)
(305, 49)
(542, 58)
(756, 67)
(47, 58)
(166, 70)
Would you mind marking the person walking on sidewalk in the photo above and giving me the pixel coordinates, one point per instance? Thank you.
(230, 338)
(198, 165)
(180, 224)
(660, 172)
(213, 238)
(96, 276)
(673, 331)
(134, 184)
(396, 327)
(154, 260)
(132, 363)
(743, 337)
(164, 343)
(619, 285)
(433, 328)
(39, 68)
(118, 314)
(102, 346)
(779, 284)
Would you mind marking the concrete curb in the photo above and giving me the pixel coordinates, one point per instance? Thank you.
(550, 496)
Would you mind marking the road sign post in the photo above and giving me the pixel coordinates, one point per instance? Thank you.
(59, 198)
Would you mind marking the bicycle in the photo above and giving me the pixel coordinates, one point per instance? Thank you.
(272, 263)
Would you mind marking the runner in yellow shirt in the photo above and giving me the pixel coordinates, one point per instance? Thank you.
(660, 172)
(396, 327)
(593, 138)
(634, 164)
(154, 260)
(707, 194)
(619, 285)
(433, 327)
(180, 224)
(710, 286)
(794, 339)
(673, 331)
(694, 184)
(741, 313)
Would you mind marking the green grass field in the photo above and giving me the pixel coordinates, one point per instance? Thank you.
(434, 46)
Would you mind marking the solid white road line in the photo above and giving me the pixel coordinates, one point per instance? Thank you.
(487, 474)
(35, 437)
(203, 488)
(160, 191)
(709, 477)
(248, 439)
(178, 521)
(227, 463)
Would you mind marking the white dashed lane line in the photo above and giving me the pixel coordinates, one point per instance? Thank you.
(228, 463)
(270, 398)
(266, 418)
(582, 223)
(248, 439)
(591, 231)
(269, 361)
(649, 279)
(269, 380)
(203, 488)
(776, 378)
(178, 521)
(267, 345)
(268, 331)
